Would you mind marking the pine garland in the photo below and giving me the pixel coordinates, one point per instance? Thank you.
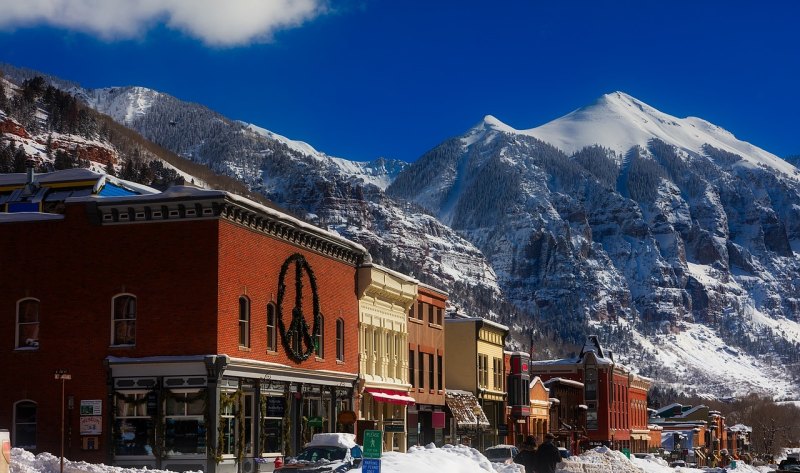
(299, 326)
(231, 400)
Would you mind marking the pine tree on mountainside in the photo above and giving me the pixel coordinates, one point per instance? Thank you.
(20, 160)
(6, 159)
(3, 98)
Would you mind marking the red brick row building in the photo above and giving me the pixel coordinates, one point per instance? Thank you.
(200, 330)
(613, 407)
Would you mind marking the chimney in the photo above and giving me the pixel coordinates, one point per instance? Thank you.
(29, 171)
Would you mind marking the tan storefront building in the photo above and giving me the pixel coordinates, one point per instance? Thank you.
(475, 364)
(540, 410)
(384, 298)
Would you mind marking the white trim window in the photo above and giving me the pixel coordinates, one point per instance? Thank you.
(24, 425)
(185, 425)
(272, 328)
(123, 320)
(244, 322)
(28, 323)
(340, 339)
(134, 427)
(319, 339)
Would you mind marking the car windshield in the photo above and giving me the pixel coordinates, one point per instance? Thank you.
(315, 454)
(792, 467)
(498, 453)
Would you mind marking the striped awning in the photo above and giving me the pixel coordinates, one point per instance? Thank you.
(392, 396)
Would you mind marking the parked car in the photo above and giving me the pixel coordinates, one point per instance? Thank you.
(5, 451)
(501, 454)
(326, 453)
(677, 463)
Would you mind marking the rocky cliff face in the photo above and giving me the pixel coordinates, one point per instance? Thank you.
(664, 237)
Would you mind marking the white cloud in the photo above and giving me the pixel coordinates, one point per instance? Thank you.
(214, 22)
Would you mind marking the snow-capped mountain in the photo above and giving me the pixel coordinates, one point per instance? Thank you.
(668, 235)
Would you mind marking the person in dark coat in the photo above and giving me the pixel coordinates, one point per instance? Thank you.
(527, 454)
(547, 455)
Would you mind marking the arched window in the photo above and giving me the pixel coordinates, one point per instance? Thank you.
(24, 425)
(28, 323)
(123, 330)
(272, 330)
(340, 339)
(244, 322)
(319, 346)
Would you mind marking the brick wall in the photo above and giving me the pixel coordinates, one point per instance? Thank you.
(250, 264)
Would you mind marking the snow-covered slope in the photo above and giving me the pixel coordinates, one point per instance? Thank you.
(619, 122)
(380, 172)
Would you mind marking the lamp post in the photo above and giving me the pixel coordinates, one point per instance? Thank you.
(63, 375)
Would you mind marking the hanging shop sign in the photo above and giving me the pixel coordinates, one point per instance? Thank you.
(91, 407)
(276, 407)
(91, 425)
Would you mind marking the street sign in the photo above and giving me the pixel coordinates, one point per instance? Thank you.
(371, 465)
(373, 443)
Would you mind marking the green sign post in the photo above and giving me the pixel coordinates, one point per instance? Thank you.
(373, 443)
(627, 452)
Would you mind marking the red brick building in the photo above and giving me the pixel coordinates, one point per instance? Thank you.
(426, 368)
(201, 330)
(608, 391)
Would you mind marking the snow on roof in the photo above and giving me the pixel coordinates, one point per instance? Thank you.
(342, 440)
(464, 319)
(568, 382)
(740, 428)
(394, 273)
(75, 175)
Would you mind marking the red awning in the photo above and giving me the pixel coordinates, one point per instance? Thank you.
(392, 396)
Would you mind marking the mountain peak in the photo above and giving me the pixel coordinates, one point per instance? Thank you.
(619, 121)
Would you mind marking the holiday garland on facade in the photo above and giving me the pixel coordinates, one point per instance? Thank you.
(234, 401)
(297, 340)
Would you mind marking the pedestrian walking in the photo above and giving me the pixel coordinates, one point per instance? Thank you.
(527, 454)
(547, 455)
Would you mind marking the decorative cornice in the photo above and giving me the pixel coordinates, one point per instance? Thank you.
(219, 205)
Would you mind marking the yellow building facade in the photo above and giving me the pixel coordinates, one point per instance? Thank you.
(475, 364)
(385, 297)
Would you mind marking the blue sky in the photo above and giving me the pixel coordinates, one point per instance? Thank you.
(362, 79)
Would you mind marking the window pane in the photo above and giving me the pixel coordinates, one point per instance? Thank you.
(125, 332)
(271, 333)
(185, 436)
(25, 436)
(134, 436)
(28, 311)
(25, 425)
(273, 433)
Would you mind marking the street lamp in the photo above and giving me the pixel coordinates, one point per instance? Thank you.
(63, 375)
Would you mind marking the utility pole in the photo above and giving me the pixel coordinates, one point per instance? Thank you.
(63, 375)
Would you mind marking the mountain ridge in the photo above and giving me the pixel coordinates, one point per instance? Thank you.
(691, 243)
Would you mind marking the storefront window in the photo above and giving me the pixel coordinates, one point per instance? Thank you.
(185, 429)
(230, 429)
(134, 430)
(272, 413)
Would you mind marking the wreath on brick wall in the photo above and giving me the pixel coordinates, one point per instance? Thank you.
(297, 339)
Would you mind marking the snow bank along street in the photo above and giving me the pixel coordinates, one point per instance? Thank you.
(429, 459)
